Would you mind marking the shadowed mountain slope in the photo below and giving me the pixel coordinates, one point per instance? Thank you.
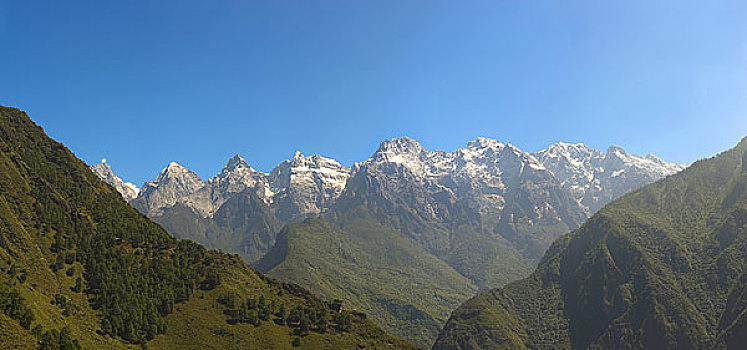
(661, 268)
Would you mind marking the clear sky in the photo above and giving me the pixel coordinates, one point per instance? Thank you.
(146, 82)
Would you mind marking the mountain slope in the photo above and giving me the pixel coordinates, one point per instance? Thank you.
(80, 266)
(660, 268)
(478, 217)
(240, 210)
(370, 267)
(489, 179)
(486, 213)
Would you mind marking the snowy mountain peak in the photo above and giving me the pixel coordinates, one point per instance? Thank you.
(173, 170)
(400, 145)
(299, 162)
(564, 147)
(172, 184)
(484, 142)
(235, 177)
(297, 155)
(237, 170)
(128, 190)
(595, 177)
(102, 168)
(400, 152)
(304, 185)
(513, 149)
(577, 155)
(234, 163)
(300, 159)
(612, 149)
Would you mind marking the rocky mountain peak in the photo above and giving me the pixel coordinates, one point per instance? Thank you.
(616, 150)
(172, 184)
(103, 171)
(485, 142)
(397, 154)
(304, 185)
(568, 150)
(566, 160)
(399, 145)
(479, 148)
(234, 163)
(297, 155)
(511, 149)
(487, 174)
(176, 171)
(128, 190)
(596, 178)
(316, 162)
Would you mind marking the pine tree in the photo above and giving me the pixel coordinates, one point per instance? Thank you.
(321, 323)
(303, 325)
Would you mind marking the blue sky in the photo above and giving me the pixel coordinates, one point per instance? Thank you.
(143, 83)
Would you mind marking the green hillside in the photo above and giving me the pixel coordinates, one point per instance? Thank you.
(661, 268)
(81, 268)
(373, 268)
(408, 271)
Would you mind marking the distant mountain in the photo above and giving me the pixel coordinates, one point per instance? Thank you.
(663, 267)
(240, 210)
(475, 218)
(595, 178)
(306, 185)
(82, 269)
(128, 190)
(486, 213)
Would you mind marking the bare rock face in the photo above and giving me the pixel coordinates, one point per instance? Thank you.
(306, 185)
(235, 177)
(484, 174)
(126, 189)
(498, 189)
(596, 178)
(170, 187)
(485, 193)
(296, 188)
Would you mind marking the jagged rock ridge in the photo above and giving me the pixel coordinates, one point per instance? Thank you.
(663, 267)
(559, 186)
(128, 190)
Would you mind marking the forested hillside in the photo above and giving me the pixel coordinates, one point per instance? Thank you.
(661, 268)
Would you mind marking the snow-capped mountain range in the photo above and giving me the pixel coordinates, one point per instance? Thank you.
(595, 178)
(499, 183)
(298, 187)
(475, 218)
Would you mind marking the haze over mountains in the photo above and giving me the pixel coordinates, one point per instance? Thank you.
(451, 223)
